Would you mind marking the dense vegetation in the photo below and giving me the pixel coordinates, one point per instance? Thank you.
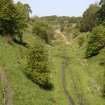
(13, 18)
(61, 50)
(94, 22)
(43, 30)
(89, 19)
(96, 41)
(38, 66)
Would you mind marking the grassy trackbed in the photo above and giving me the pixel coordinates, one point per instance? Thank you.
(84, 78)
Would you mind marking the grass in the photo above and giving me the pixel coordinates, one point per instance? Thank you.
(25, 92)
(59, 95)
(88, 76)
(1, 94)
(84, 78)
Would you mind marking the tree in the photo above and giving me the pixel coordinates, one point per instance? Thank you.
(13, 18)
(89, 19)
(21, 18)
(7, 14)
(102, 2)
(101, 12)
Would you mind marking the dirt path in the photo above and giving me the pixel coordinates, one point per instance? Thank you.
(81, 100)
(63, 36)
(69, 97)
(7, 90)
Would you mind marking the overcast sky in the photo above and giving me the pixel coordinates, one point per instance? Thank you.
(58, 7)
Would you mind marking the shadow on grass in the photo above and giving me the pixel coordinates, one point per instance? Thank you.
(46, 85)
(22, 43)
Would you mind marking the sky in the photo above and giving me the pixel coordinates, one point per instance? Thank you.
(58, 7)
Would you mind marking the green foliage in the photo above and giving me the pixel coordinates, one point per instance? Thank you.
(102, 2)
(43, 30)
(59, 22)
(7, 20)
(101, 12)
(13, 18)
(96, 41)
(89, 19)
(81, 41)
(21, 18)
(38, 66)
(25, 91)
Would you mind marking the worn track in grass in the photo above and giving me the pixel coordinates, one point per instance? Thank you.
(69, 97)
(78, 95)
(7, 90)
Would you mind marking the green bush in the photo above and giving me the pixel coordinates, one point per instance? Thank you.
(96, 41)
(38, 66)
(43, 30)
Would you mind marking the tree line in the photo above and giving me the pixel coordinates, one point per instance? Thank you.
(93, 21)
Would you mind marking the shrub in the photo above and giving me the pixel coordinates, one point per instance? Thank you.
(96, 41)
(38, 66)
(43, 30)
